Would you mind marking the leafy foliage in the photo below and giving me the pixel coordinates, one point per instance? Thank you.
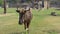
(1, 1)
(12, 1)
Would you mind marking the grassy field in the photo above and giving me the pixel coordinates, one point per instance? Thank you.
(42, 22)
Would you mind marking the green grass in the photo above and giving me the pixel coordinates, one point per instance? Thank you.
(42, 22)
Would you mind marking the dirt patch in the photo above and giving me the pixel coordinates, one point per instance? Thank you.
(52, 19)
(8, 14)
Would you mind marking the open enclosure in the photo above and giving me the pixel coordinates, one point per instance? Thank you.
(42, 22)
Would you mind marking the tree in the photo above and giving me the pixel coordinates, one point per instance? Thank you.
(1, 1)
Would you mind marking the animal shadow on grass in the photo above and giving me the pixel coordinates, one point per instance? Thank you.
(18, 33)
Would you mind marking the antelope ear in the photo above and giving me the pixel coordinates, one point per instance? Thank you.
(17, 11)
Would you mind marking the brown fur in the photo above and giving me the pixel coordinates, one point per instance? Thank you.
(25, 16)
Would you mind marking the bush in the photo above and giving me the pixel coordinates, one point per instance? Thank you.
(53, 14)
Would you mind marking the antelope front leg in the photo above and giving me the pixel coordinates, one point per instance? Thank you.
(25, 27)
(28, 27)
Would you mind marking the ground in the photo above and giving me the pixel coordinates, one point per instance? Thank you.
(42, 22)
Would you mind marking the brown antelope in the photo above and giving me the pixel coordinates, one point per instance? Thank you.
(25, 16)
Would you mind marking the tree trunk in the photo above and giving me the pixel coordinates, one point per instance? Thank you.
(17, 4)
(46, 4)
(4, 6)
(42, 3)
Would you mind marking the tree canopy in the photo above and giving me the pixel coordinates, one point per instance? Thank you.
(1, 2)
